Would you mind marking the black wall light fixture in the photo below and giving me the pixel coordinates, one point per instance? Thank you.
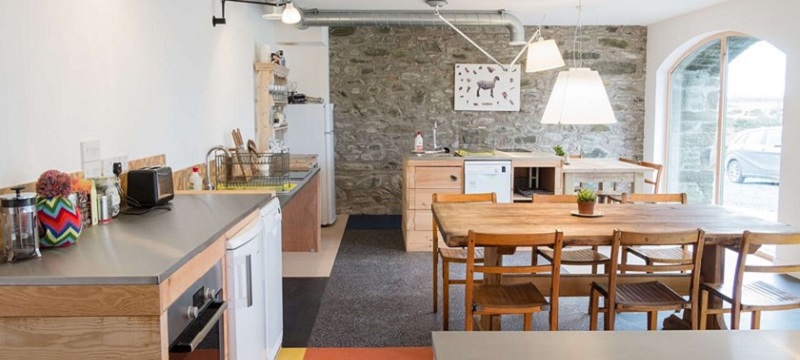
(290, 15)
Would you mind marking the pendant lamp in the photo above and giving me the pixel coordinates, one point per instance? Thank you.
(578, 97)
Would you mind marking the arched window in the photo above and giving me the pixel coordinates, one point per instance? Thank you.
(725, 104)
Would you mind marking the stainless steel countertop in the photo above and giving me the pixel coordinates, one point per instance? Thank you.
(284, 198)
(137, 249)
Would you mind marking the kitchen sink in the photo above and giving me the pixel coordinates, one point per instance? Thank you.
(515, 150)
(435, 155)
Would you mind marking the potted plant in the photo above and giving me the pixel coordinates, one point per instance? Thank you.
(58, 216)
(586, 200)
(560, 152)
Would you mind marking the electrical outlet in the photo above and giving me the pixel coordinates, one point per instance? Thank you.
(108, 164)
(90, 158)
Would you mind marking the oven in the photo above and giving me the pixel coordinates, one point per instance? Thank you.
(195, 319)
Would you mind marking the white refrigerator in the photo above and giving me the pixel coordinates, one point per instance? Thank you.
(311, 132)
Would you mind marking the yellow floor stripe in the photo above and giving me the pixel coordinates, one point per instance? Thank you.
(291, 354)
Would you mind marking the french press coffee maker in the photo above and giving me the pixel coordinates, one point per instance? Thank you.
(20, 225)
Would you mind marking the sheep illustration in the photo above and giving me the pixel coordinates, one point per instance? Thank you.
(487, 85)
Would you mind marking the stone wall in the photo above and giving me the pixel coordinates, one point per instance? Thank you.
(387, 83)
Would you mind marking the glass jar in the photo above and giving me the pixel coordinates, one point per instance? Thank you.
(110, 186)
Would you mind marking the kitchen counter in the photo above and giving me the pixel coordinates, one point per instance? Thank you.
(497, 155)
(137, 249)
(301, 178)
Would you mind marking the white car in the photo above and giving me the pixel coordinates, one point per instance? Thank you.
(754, 153)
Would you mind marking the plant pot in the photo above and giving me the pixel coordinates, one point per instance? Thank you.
(59, 220)
(586, 207)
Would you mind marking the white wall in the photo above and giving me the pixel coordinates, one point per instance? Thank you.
(307, 58)
(772, 20)
(143, 76)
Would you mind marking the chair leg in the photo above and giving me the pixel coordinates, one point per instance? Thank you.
(468, 317)
(736, 316)
(610, 316)
(652, 320)
(623, 257)
(703, 316)
(435, 281)
(593, 309)
(755, 321)
(528, 322)
(445, 295)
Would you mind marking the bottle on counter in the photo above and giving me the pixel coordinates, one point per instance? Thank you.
(418, 142)
(195, 180)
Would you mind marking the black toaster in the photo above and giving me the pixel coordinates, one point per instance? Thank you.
(150, 186)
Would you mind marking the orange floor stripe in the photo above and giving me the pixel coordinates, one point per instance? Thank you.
(404, 353)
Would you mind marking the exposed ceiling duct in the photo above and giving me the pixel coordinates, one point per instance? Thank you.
(313, 17)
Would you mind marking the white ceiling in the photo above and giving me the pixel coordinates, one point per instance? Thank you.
(530, 12)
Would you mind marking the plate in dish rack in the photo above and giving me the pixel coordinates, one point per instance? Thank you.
(596, 214)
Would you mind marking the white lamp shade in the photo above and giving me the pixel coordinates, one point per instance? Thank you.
(578, 97)
(290, 14)
(543, 55)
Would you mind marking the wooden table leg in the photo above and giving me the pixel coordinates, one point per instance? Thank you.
(638, 183)
(712, 270)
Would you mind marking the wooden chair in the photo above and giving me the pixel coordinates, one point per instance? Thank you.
(585, 256)
(451, 255)
(751, 296)
(670, 255)
(648, 296)
(525, 298)
(655, 181)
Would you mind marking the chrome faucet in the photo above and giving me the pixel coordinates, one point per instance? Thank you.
(208, 167)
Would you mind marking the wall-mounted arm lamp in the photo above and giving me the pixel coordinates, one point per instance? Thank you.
(291, 15)
(542, 54)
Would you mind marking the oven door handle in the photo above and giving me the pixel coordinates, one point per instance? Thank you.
(189, 340)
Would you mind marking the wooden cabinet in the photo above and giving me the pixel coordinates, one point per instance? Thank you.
(271, 97)
(111, 321)
(421, 179)
(301, 219)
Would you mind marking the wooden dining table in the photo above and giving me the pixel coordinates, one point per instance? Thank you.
(723, 228)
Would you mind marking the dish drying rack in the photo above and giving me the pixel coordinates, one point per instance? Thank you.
(244, 171)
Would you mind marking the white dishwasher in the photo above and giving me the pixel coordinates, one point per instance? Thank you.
(485, 176)
(255, 287)
(273, 277)
(245, 279)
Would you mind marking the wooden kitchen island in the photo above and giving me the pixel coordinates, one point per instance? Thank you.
(440, 173)
(106, 297)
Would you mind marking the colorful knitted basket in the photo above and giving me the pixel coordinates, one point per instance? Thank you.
(60, 222)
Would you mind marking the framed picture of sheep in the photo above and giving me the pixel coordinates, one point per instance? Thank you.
(486, 87)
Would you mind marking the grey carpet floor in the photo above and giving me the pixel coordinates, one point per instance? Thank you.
(378, 295)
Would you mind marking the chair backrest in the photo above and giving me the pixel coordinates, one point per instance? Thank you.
(656, 181)
(654, 198)
(693, 238)
(457, 198)
(551, 239)
(560, 199)
(630, 161)
(751, 239)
